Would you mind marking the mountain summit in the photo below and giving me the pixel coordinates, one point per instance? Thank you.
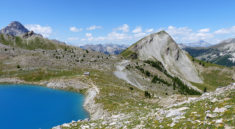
(160, 46)
(15, 28)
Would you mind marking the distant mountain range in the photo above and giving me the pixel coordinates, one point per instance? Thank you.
(112, 49)
(222, 53)
(200, 43)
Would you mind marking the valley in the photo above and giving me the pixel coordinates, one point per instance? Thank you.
(151, 84)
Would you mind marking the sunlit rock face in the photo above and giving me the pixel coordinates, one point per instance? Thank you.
(162, 47)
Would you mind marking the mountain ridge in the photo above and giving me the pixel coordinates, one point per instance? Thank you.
(113, 49)
(222, 53)
(200, 43)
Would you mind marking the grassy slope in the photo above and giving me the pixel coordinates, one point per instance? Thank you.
(31, 43)
(221, 60)
(214, 75)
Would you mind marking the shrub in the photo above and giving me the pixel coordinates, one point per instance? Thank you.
(183, 88)
(157, 79)
(134, 56)
(147, 94)
(156, 64)
(18, 66)
(147, 73)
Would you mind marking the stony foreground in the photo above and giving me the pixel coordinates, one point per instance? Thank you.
(211, 110)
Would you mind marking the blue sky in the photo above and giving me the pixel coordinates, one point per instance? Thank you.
(79, 22)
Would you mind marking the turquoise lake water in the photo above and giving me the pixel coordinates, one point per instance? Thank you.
(37, 107)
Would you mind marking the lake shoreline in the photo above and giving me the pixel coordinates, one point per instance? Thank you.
(94, 109)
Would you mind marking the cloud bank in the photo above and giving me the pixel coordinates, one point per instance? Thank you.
(123, 35)
(43, 30)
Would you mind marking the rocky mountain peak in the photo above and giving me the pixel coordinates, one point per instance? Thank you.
(161, 46)
(15, 28)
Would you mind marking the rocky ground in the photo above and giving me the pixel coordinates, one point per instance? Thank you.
(211, 110)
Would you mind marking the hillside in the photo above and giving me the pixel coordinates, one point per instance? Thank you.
(222, 53)
(152, 84)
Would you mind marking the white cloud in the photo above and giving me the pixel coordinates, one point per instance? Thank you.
(226, 30)
(185, 34)
(94, 27)
(110, 37)
(123, 28)
(150, 30)
(180, 35)
(89, 36)
(204, 30)
(137, 30)
(43, 30)
(75, 29)
(117, 36)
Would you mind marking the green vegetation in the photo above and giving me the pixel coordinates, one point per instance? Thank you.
(221, 60)
(197, 113)
(182, 87)
(205, 64)
(146, 72)
(156, 79)
(116, 95)
(18, 66)
(156, 64)
(147, 94)
(31, 44)
(4, 41)
(45, 74)
(224, 60)
(214, 75)
(215, 78)
(129, 54)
